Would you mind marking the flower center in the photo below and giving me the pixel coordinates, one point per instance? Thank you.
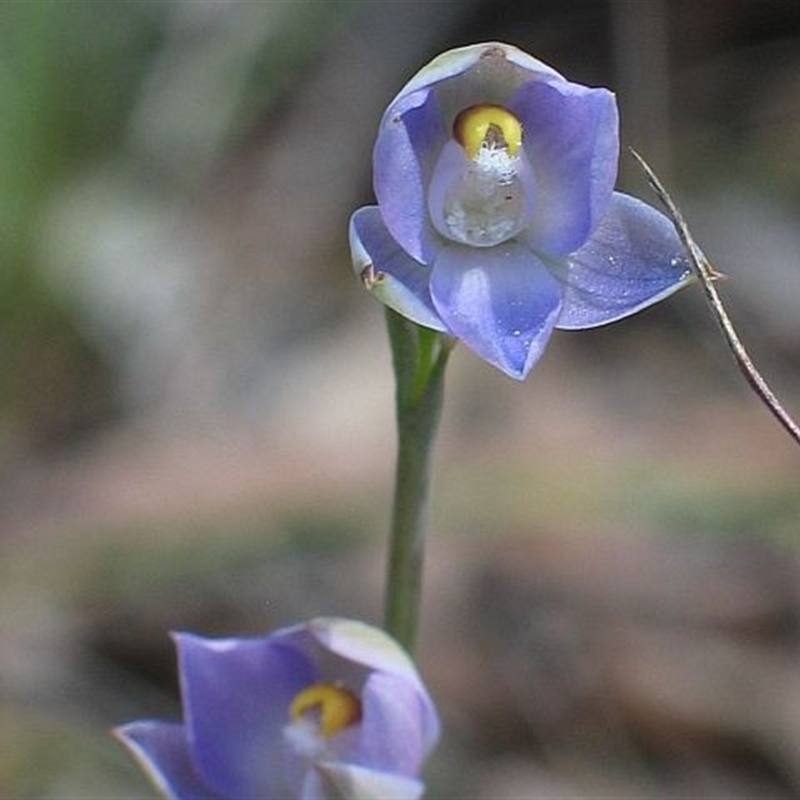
(483, 197)
(329, 706)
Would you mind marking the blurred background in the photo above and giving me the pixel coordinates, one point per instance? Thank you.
(196, 424)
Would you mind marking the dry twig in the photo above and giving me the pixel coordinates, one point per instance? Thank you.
(706, 274)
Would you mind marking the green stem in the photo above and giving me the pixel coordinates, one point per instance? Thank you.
(419, 356)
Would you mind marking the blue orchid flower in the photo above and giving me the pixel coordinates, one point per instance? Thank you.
(329, 708)
(497, 219)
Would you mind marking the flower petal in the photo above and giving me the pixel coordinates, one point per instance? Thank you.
(501, 302)
(388, 272)
(162, 751)
(392, 725)
(634, 259)
(374, 649)
(501, 68)
(351, 782)
(571, 135)
(410, 135)
(236, 695)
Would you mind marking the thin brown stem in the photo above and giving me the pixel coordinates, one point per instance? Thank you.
(707, 275)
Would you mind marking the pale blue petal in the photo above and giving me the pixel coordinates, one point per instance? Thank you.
(372, 648)
(494, 65)
(634, 259)
(409, 138)
(236, 696)
(350, 782)
(162, 751)
(395, 278)
(501, 302)
(571, 136)
(392, 725)
(363, 644)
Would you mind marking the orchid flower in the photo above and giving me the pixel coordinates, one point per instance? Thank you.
(497, 219)
(329, 708)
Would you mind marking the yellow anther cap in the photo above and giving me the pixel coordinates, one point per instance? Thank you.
(331, 705)
(489, 126)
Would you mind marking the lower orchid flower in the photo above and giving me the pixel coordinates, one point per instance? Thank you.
(330, 708)
(497, 219)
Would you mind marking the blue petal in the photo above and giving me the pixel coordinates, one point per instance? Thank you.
(372, 648)
(391, 737)
(480, 73)
(571, 136)
(410, 136)
(395, 278)
(358, 783)
(500, 301)
(236, 696)
(634, 259)
(161, 749)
